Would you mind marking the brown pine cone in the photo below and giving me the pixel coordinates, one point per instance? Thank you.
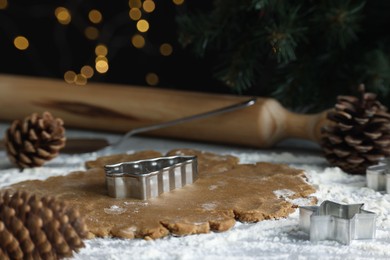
(359, 135)
(35, 140)
(33, 228)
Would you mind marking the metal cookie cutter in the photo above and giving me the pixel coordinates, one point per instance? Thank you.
(145, 179)
(378, 176)
(333, 221)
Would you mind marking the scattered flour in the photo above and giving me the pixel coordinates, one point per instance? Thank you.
(114, 210)
(285, 193)
(270, 239)
(209, 206)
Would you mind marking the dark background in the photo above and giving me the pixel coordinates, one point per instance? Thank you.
(55, 48)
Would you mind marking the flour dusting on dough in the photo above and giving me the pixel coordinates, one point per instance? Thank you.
(213, 187)
(209, 206)
(115, 210)
(284, 193)
(137, 203)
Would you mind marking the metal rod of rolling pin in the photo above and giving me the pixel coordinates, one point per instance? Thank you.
(215, 112)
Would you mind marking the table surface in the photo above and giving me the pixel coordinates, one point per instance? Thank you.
(270, 239)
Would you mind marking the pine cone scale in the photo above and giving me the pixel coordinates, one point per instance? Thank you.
(355, 159)
(25, 159)
(352, 140)
(373, 135)
(363, 148)
(10, 148)
(341, 153)
(345, 106)
(361, 121)
(345, 127)
(340, 116)
(348, 99)
(28, 147)
(335, 139)
(18, 138)
(32, 135)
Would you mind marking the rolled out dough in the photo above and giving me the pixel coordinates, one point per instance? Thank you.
(226, 191)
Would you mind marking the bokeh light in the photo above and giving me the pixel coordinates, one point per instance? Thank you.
(101, 50)
(3, 4)
(135, 3)
(87, 71)
(91, 33)
(166, 49)
(101, 58)
(101, 66)
(178, 2)
(135, 14)
(148, 6)
(138, 41)
(95, 16)
(63, 15)
(152, 79)
(70, 77)
(80, 79)
(142, 25)
(21, 43)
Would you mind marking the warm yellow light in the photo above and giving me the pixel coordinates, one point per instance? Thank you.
(178, 2)
(95, 16)
(135, 3)
(135, 14)
(101, 66)
(138, 41)
(166, 49)
(21, 43)
(142, 25)
(91, 33)
(101, 58)
(80, 80)
(101, 50)
(70, 77)
(152, 79)
(87, 71)
(3, 4)
(148, 6)
(63, 15)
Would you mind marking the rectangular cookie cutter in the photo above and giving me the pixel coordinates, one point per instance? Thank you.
(378, 176)
(333, 221)
(145, 179)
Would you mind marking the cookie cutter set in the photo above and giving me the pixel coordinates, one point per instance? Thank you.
(334, 221)
(378, 176)
(145, 179)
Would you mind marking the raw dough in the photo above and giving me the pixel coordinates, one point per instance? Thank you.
(225, 192)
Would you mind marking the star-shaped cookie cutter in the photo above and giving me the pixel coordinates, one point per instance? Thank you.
(145, 179)
(378, 176)
(334, 221)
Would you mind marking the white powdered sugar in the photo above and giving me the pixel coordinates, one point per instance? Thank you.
(269, 239)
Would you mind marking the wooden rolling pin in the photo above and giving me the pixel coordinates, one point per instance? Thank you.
(119, 108)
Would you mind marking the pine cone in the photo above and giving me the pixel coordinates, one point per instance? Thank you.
(359, 135)
(32, 228)
(35, 140)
